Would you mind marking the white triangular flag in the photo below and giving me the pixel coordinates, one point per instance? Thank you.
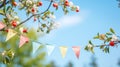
(50, 49)
(23, 40)
(35, 46)
(63, 50)
(10, 34)
(2, 25)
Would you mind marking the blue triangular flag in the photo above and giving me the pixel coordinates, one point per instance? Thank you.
(35, 46)
(50, 49)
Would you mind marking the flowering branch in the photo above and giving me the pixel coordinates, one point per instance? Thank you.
(109, 40)
(35, 14)
(4, 2)
(10, 22)
(31, 7)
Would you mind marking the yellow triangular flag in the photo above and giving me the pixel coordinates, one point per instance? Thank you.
(63, 50)
(10, 34)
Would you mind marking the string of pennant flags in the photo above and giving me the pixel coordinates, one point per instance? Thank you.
(63, 49)
(50, 48)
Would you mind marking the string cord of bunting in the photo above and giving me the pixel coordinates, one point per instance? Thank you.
(50, 48)
(63, 49)
(35, 44)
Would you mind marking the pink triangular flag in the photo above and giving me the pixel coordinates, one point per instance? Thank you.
(2, 25)
(23, 40)
(76, 50)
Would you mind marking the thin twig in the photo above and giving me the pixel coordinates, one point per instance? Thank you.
(35, 14)
(4, 3)
(106, 45)
(32, 16)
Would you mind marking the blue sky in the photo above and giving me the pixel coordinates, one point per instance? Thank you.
(94, 16)
(78, 28)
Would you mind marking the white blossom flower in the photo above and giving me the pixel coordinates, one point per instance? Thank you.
(3, 53)
(52, 16)
(20, 5)
(35, 7)
(28, 10)
(13, 54)
(17, 22)
(71, 4)
(9, 17)
(89, 45)
(28, 2)
(78, 7)
(55, 25)
(114, 38)
(16, 17)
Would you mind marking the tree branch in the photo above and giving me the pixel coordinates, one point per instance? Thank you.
(36, 14)
(105, 44)
(4, 3)
(32, 16)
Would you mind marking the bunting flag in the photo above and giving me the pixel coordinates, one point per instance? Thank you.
(2, 25)
(21, 29)
(10, 34)
(35, 46)
(23, 40)
(63, 50)
(76, 50)
(50, 49)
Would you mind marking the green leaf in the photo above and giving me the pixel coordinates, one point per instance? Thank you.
(108, 39)
(48, 31)
(111, 30)
(43, 25)
(10, 53)
(90, 42)
(8, 8)
(73, 8)
(4, 9)
(6, 59)
(1, 12)
(92, 49)
(21, 8)
(96, 37)
(86, 48)
(106, 49)
(57, 8)
(108, 33)
(52, 13)
(61, 0)
(12, 1)
(102, 46)
(66, 11)
(98, 34)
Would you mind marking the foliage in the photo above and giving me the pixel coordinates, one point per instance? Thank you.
(52, 64)
(32, 8)
(108, 39)
(70, 64)
(9, 13)
(118, 63)
(23, 56)
(93, 62)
